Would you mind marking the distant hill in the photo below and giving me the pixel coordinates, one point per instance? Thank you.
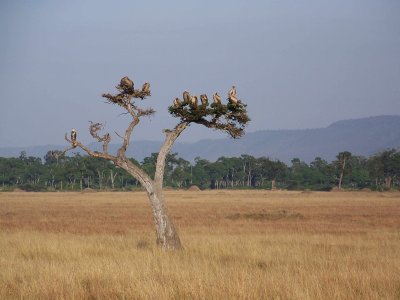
(364, 136)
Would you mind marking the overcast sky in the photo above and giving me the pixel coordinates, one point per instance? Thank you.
(297, 64)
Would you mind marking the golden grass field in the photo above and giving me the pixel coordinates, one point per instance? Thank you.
(238, 245)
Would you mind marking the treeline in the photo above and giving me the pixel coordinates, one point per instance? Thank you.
(58, 172)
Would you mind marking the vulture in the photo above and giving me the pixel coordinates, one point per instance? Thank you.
(232, 96)
(73, 136)
(177, 103)
(193, 101)
(146, 87)
(204, 99)
(217, 98)
(126, 83)
(233, 99)
(186, 97)
(232, 91)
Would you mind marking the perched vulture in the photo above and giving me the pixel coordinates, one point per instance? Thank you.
(177, 103)
(232, 91)
(126, 83)
(73, 136)
(186, 97)
(232, 96)
(217, 98)
(146, 87)
(233, 99)
(204, 99)
(193, 101)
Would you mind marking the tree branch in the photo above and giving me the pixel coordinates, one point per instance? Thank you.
(128, 132)
(106, 139)
(88, 151)
(170, 137)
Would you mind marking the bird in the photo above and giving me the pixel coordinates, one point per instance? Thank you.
(204, 99)
(193, 101)
(232, 96)
(177, 103)
(73, 137)
(126, 84)
(233, 99)
(146, 87)
(186, 97)
(232, 91)
(217, 98)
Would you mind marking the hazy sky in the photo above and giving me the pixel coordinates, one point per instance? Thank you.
(298, 64)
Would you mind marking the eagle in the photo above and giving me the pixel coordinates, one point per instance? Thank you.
(146, 87)
(193, 101)
(177, 103)
(73, 137)
(217, 98)
(204, 99)
(186, 97)
(126, 84)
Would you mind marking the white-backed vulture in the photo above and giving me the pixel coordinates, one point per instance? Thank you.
(193, 101)
(177, 103)
(186, 97)
(217, 98)
(126, 83)
(204, 99)
(146, 87)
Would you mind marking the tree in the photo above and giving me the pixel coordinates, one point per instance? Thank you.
(231, 118)
(343, 165)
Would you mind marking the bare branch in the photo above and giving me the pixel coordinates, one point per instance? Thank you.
(106, 138)
(88, 151)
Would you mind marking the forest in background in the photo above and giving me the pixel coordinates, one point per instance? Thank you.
(57, 172)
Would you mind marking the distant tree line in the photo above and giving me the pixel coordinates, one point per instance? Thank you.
(59, 172)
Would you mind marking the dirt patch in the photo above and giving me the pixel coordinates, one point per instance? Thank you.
(194, 188)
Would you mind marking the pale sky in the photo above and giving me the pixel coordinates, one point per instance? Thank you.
(297, 64)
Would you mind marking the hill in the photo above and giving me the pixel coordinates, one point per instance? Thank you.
(364, 136)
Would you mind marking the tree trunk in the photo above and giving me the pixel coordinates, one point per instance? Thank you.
(342, 173)
(388, 182)
(167, 236)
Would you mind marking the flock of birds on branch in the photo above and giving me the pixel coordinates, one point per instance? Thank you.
(126, 88)
(193, 100)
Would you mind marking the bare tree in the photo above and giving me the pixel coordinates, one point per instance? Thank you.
(231, 117)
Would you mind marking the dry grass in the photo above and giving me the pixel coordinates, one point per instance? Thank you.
(239, 244)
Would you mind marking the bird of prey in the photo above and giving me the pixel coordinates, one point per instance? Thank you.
(232, 96)
(193, 101)
(204, 99)
(146, 87)
(126, 84)
(73, 137)
(186, 97)
(233, 99)
(177, 103)
(217, 98)
(232, 91)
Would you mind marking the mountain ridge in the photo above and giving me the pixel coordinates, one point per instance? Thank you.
(363, 136)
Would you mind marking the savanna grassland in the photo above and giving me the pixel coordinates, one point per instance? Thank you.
(238, 244)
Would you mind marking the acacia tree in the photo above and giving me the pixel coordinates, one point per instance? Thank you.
(230, 117)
